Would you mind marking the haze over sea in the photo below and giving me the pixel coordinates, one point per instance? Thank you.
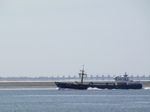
(56, 37)
(53, 100)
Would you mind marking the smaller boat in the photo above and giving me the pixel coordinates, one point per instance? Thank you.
(120, 83)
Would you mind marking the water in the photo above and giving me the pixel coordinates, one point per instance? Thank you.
(52, 100)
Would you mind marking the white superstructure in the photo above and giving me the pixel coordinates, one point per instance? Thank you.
(124, 80)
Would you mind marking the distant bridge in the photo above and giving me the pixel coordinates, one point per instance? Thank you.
(70, 78)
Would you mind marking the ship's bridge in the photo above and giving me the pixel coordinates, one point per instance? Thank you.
(124, 79)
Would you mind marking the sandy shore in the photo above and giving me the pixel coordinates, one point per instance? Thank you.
(27, 84)
(146, 84)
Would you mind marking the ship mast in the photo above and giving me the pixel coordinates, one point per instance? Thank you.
(82, 74)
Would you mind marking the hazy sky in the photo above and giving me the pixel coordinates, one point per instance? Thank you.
(56, 37)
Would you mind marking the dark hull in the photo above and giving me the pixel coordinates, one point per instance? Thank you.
(86, 86)
(71, 86)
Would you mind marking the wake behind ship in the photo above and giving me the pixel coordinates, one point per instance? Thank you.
(120, 83)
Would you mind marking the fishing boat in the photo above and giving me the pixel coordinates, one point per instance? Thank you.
(120, 83)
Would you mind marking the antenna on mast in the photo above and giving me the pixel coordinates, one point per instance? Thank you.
(83, 67)
(82, 74)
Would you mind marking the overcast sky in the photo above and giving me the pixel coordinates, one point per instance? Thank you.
(56, 37)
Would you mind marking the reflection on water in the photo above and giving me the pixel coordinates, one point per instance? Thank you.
(47, 100)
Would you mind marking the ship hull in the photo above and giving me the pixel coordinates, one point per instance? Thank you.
(133, 86)
(71, 86)
(86, 86)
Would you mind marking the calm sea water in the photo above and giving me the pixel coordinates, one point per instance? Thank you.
(52, 100)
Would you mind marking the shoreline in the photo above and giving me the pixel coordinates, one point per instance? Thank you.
(20, 84)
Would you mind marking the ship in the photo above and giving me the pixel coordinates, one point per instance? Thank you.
(119, 83)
